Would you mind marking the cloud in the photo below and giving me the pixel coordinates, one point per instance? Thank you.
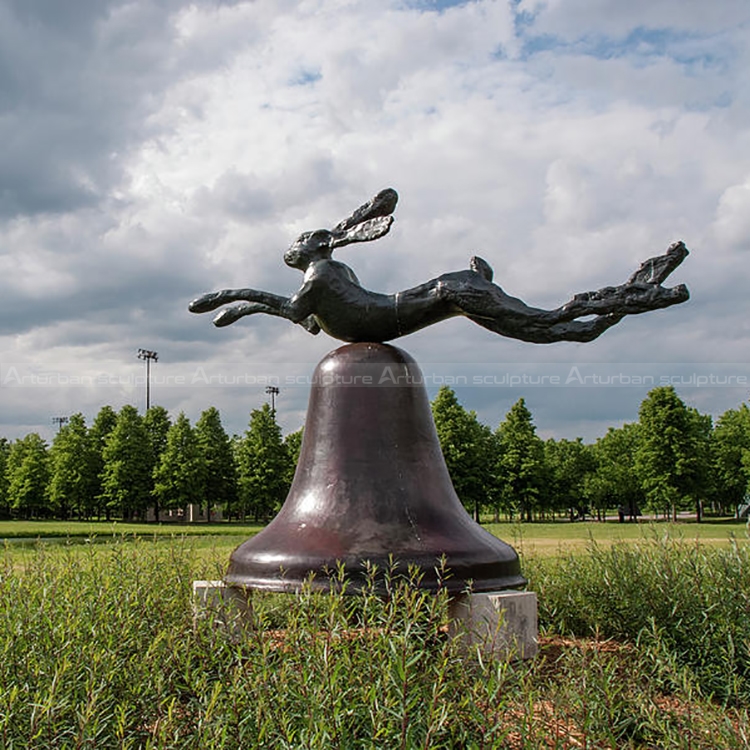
(576, 18)
(81, 82)
(733, 216)
(158, 150)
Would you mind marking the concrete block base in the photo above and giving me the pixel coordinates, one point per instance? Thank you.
(502, 624)
(230, 606)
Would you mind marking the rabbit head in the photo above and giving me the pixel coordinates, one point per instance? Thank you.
(370, 221)
(308, 247)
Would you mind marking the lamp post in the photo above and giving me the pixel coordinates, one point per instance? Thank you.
(148, 355)
(272, 391)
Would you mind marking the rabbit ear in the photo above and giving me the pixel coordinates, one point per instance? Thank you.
(383, 204)
(365, 231)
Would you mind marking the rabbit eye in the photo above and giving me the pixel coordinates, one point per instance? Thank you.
(321, 236)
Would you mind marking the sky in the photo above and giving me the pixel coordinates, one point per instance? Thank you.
(154, 150)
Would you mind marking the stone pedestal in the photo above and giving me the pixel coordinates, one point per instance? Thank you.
(502, 624)
(229, 606)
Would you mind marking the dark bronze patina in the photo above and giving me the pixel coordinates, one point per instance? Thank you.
(372, 486)
(332, 299)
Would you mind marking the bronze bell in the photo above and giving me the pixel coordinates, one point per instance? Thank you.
(372, 486)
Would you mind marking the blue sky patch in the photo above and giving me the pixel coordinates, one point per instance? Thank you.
(690, 50)
(305, 77)
(436, 5)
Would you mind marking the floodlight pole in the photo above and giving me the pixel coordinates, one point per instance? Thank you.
(273, 391)
(60, 421)
(148, 355)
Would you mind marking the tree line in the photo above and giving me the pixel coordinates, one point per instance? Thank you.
(131, 466)
(673, 459)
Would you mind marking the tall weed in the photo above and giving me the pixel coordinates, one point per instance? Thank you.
(99, 649)
(688, 604)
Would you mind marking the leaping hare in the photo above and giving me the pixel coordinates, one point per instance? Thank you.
(331, 298)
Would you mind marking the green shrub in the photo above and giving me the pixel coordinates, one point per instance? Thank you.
(99, 649)
(688, 604)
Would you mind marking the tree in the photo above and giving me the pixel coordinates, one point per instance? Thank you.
(614, 481)
(72, 485)
(126, 477)
(672, 458)
(236, 444)
(103, 424)
(569, 463)
(180, 475)
(730, 453)
(521, 467)
(157, 423)
(28, 474)
(220, 483)
(703, 468)
(469, 449)
(263, 472)
(4, 504)
(293, 445)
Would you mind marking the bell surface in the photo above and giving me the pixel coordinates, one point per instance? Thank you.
(371, 486)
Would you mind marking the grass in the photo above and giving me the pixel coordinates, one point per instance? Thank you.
(544, 536)
(75, 529)
(679, 600)
(555, 539)
(644, 646)
(219, 539)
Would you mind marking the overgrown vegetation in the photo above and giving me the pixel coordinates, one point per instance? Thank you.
(99, 649)
(683, 603)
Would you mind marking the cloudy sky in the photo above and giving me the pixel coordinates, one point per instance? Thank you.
(152, 150)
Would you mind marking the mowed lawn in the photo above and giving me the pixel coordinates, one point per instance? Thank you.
(102, 529)
(211, 543)
(529, 539)
(550, 539)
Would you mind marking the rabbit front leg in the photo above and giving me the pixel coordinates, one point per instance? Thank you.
(212, 300)
(231, 314)
(297, 309)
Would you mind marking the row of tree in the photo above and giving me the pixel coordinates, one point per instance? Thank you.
(130, 466)
(672, 459)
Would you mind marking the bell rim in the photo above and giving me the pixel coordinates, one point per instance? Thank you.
(433, 575)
